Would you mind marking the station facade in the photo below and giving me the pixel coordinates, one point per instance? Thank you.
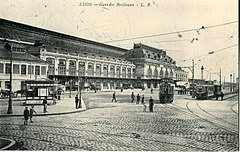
(70, 59)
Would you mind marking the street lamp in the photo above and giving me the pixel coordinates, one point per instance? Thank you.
(230, 82)
(9, 48)
(70, 83)
(80, 91)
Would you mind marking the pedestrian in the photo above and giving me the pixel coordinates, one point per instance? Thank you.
(151, 104)
(26, 115)
(151, 90)
(142, 99)
(144, 107)
(138, 99)
(132, 96)
(114, 97)
(31, 113)
(45, 105)
(76, 101)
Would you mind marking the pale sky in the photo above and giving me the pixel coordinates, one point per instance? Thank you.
(158, 17)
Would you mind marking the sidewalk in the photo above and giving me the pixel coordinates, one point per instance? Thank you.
(63, 106)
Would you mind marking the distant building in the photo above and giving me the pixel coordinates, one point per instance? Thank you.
(69, 59)
(152, 64)
(25, 67)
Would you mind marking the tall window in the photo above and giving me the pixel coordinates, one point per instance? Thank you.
(124, 72)
(72, 67)
(81, 68)
(37, 70)
(105, 70)
(149, 72)
(98, 70)
(1, 67)
(30, 69)
(43, 70)
(112, 72)
(23, 69)
(129, 72)
(90, 69)
(118, 72)
(7, 68)
(15, 69)
(166, 73)
(51, 66)
(155, 73)
(161, 72)
(61, 67)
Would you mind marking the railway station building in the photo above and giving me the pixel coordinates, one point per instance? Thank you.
(69, 59)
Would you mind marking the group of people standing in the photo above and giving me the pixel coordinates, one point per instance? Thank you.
(28, 113)
(142, 101)
(139, 99)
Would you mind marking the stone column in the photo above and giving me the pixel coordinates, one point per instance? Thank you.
(77, 67)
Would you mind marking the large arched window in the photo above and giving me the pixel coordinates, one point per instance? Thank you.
(149, 72)
(98, 70)
(161, 72)
(72, 67)
(51, 66)
(90, 69)
(171, 73)
(129, 72)
(166, 73)
(112, 72)
(105, 70)
(124, 72)
(156, 73)
(62, 67)
(118, 72)
(81, 68)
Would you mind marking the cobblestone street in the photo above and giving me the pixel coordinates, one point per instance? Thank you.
(185, 125)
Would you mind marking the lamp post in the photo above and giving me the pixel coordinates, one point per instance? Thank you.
(70, 87)
(230, 82)
(191, 68)
(9, 48)
(80, 91)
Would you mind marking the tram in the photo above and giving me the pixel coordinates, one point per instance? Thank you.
(208, 91)
(166, 90)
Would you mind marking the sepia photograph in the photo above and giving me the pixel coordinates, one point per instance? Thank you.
(119, 75)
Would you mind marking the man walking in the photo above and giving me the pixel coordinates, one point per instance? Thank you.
(45, 105)
(114, 97)
(142, 99)
(31, 113)
(76, 101)
(132, 96)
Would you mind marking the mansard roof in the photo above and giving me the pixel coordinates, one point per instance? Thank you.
(63, 42)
